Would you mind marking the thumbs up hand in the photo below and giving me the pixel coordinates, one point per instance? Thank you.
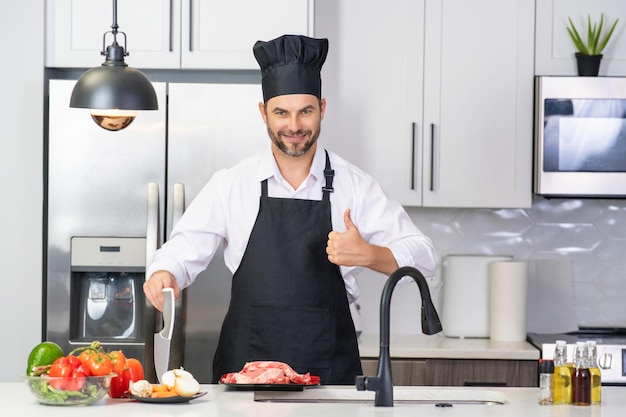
(347, 248)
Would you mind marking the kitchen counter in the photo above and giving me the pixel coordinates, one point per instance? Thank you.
(225, 402)
(442, 347)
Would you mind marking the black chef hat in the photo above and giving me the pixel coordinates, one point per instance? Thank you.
(291, 64)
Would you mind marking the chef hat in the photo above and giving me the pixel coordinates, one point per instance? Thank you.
(291, 64)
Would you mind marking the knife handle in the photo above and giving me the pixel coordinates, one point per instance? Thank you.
(168, 313)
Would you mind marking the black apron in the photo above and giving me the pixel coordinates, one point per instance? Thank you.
(288, 301)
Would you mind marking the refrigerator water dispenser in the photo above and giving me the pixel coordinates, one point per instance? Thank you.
(106, 290)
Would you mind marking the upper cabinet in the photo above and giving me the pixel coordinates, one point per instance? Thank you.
(171, 34)
(553, 47)
(438, 106)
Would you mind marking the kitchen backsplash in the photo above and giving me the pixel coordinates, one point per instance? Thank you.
(589, 234)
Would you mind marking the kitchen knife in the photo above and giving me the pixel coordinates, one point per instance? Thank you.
(163, 338)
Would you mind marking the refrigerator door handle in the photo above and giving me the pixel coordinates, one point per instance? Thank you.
(178, 203)
(177, 343)
(152, 223)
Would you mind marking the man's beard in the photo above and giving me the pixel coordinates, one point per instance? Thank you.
(293, 150)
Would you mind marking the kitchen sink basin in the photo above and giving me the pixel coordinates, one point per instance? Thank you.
(413, 395)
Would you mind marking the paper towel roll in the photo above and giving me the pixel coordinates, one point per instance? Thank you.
(465, 310)
(508, 293)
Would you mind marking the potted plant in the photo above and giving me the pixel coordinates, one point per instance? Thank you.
(589, 53)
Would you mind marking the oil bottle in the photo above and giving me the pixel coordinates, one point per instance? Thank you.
(581, 379)
(562, 378)
(594, 369)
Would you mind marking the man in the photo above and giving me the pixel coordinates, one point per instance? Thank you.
(295, 221)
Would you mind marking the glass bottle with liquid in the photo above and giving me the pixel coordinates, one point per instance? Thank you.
(562, 377)
(581, 378)
(594, 369)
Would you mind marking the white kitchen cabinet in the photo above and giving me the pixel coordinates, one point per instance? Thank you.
(554, 50)
(373, 82)
(171, 34)
(75, 29)
(438, 106)
(220, 34)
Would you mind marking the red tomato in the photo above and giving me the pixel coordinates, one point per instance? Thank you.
(118, 361)
(73, 361)
(76, 382)
(85, 355)
(67, 367)
(136, 369)
(99, 364)
(60, 369)
(69, 360)
(84, 369)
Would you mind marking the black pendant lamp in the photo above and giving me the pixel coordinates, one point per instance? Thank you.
(114, 92)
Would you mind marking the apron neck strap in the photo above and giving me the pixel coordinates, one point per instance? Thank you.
(327, 189)
(329, 174)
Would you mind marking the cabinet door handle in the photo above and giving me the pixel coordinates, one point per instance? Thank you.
(413, 127)
(171, 25)
(432, 157)
(190, 25)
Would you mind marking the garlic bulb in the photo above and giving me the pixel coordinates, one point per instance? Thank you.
(181, 382)
(141, 388)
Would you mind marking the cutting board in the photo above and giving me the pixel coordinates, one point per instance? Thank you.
(465, 299)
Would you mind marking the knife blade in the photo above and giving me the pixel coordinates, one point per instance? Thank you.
(163, 338)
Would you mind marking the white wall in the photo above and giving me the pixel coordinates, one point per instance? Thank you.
(21, 183)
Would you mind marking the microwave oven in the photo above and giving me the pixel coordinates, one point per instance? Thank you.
(580, 136)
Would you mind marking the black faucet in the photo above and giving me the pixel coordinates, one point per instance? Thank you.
(382, 382)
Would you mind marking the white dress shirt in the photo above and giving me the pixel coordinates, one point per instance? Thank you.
(225, 211)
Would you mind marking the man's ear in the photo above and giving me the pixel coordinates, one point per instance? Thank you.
(263, 111)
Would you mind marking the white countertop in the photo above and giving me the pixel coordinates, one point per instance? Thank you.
(442, 347)
(224, 402)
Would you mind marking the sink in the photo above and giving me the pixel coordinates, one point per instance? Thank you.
(412, 395)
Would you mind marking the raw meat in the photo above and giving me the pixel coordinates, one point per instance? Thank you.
(269, 372)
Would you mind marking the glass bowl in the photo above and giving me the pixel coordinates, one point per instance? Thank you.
(68, 391)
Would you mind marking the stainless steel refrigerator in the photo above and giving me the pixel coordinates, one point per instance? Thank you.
(112, 199)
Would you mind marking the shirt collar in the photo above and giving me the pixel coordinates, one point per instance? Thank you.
(268, 167)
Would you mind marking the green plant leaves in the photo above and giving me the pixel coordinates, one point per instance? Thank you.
(595, 42)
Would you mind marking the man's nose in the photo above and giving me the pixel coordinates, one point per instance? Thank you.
(293, 123)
